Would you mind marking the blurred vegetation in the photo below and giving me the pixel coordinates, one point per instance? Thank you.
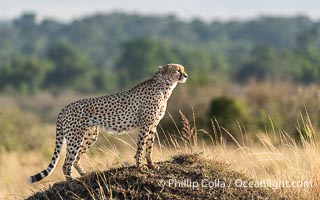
(228, 112)
(18, 130)
(260, 72)
(112, 51)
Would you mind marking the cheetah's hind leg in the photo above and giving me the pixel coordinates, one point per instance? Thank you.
(73, 147)
(89, 139)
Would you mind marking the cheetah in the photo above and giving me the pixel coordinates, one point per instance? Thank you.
(141, 107)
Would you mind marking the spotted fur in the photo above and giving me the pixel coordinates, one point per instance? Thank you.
(140, 107)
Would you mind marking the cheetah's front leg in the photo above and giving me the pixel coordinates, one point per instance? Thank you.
(149, 147)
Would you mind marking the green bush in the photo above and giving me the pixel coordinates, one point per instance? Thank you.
(227, 111)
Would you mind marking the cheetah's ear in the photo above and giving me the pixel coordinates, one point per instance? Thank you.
(161, 68)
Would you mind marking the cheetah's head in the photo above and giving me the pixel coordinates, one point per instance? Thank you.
(173, 73)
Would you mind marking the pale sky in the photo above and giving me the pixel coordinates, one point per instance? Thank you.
(66, 10)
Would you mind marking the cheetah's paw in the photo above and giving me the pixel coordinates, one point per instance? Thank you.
(143, 168)
(153, 166)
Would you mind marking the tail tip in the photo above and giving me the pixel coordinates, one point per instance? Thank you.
(38, 177)
(30, 180)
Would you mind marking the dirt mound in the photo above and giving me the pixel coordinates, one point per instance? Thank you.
(183, 177)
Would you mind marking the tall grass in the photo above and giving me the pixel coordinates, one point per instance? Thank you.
(276, 157)
(272, 153)
(290, 166)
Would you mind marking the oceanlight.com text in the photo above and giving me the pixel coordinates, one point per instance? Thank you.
(215, 183)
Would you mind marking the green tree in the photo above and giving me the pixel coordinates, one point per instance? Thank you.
(203, 66)
(105, 79)
(227, 111)
(72, 69)
(264, 64)
(26, 74)
(140, 58)
(304, 65)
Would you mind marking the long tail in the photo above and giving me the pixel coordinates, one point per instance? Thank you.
(56, 155)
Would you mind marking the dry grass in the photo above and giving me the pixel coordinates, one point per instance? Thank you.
(287, 162)
(272, 155)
